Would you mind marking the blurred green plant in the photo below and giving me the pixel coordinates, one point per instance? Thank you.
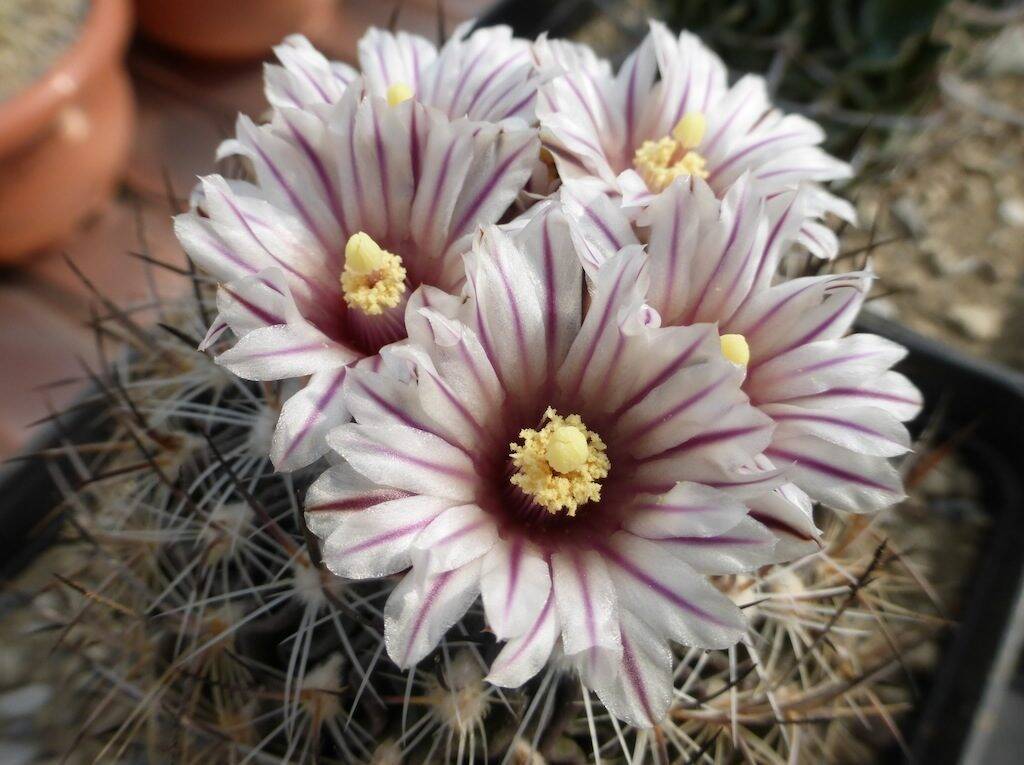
(846, 61)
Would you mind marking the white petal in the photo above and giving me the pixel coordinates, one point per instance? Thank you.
(688, 510)
(836, 476)
(586, 603)
(406, 458)
(819, 366)
(669, 595)
(389, 58)
(508, 309)
(339, 492)
(286, 350)
(377, 541)
(890, 391)
(745, 547)
(523, 657)
(592, 367)
(639, 691)
(301, 434)
(788, 513)
(867, 430)
(419, 611)
(515, 584)
(454, 538)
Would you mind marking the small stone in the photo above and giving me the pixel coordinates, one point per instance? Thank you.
(24, 701)
(908, 213)
(1011, 212)
(1005, 54)
(884, 307)
(979, 322)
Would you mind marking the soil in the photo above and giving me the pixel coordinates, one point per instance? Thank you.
(33, 34)
(955, 199)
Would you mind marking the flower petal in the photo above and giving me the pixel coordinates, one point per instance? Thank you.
(378, 541)
(688, 510)
(836, 476)
(639, 690)
(456, 537)
(406, 458)
(746, 546)
(524, 656)
(419, 611)
(301, 434)
(283, 351)
(819, 366)
(669, 596)
(515, 583)
(866, 430)
(587, 605)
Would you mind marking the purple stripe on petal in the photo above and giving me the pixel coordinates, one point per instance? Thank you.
(492, 182)
(677, 363)
(825, 468)
(657, 587)
(267, 317)
(361, 502)
(662, 417)
(321, 403)
(428, 603)
(534, 631)
(749, 149)
(385, 537)
(774, 524)
(635, 678)
(293, 197)
(705, 439)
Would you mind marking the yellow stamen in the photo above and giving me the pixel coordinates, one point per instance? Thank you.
(398, 93)
(561, 465)
(735, 348)
(661, 162)
(373, 279)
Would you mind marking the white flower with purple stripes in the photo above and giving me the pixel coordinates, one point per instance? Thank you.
(837, 405)
(581, 471)
(669, 113)
(350, 212)
(486, 75)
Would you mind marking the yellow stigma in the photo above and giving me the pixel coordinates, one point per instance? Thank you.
(689, 131)
(567, 449)
(735, 348)
(398, 93)
(373, 279)
(561, 465)
(661, 162)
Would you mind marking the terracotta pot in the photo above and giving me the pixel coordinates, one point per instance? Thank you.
(221, 29)
(64, 140)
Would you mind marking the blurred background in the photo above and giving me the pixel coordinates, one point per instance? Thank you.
(109, 109)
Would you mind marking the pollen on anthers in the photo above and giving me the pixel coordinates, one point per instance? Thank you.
(373, 278)
(661, 162)
(561, 465)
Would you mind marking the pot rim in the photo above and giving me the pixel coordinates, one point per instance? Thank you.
(101, 41)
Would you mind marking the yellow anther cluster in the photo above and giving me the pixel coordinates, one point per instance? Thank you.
(561, 465)
(661, 162)
(373, 278)
(735, 348)
(398, 93)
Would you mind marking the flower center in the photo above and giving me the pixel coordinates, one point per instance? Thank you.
(661, 162)
(561, 465)
(373, 278)
(398, 93)
(735, 349)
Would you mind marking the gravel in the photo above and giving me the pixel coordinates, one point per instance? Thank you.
(33, 34)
